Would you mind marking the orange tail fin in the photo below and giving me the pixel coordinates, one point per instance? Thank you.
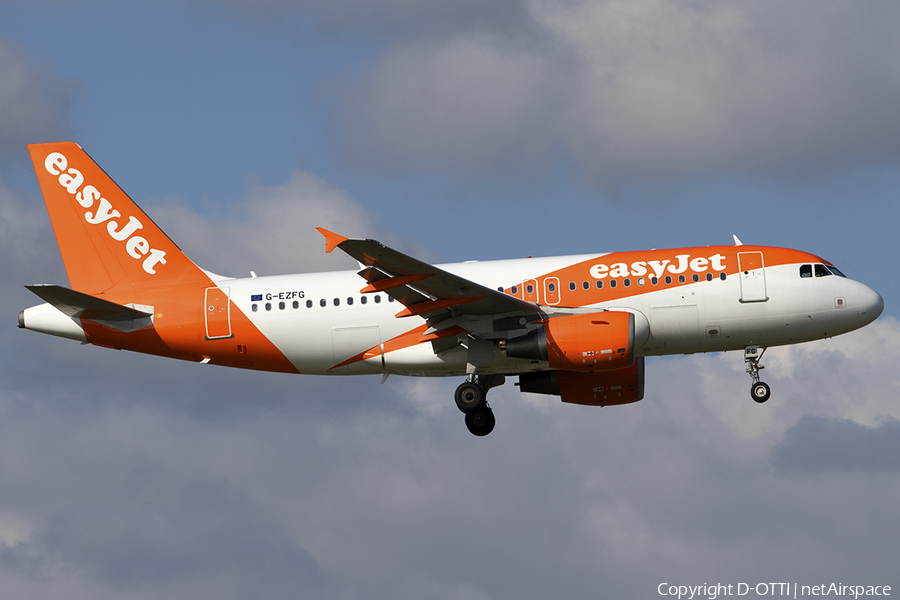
(106, 241)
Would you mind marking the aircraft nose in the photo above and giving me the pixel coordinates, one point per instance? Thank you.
(871, 304)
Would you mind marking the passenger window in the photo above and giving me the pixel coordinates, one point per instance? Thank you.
(377, 299)
(805, 270)
(640, 281)
(681, 279)
(709, 276)
(514, 289)
(323, 302)
(281, 306)
(627, 282)
(254, 307)
(668, 279)
(337, 301)
(571, 286)
(612, 283)
(530, 289)
(696, 278)
(822, 271)
(363, 300)
(268, 306)
(599, 284)
(654, 280)
(390, 298)
(296, 304)
(586, 285)
(309, 304)
(350, 301)
(722, 276)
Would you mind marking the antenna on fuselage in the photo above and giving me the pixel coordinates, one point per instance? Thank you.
(737, 242)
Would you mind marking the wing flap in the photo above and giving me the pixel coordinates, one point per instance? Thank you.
(427, 307)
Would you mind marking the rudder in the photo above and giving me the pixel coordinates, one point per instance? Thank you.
(105, 239)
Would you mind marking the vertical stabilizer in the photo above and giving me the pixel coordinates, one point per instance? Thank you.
(106, 241)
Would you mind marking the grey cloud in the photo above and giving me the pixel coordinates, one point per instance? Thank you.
(817, 445)
(635, 91)
(343, 487)
(26, 238)
(469, 103)
(379, 18)
(34, 103)
(134, 546)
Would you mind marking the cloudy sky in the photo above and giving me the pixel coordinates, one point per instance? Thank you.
(454, 131)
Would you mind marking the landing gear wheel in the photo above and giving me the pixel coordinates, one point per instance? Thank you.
(469, 397)
(481, 422)
(760, 392)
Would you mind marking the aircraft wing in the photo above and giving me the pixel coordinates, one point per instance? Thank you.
(424, 289)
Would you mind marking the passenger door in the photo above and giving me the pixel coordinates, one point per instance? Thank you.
(753, 277)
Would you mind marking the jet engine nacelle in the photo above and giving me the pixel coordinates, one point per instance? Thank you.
(602, 341)
(594, 389)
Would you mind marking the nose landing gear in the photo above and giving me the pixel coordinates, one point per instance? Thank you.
(471, 400)
(759, 391)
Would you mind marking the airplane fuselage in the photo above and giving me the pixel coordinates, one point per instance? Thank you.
(318, 321)
(308, 316)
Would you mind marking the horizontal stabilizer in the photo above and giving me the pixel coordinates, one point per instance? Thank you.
(84, 306)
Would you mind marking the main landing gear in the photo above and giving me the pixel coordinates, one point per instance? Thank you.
(471, 399)
(759, 391)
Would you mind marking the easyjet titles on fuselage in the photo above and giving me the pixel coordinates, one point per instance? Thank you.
(136, 246)
(682, 262)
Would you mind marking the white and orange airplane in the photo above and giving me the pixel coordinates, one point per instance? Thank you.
(577, 327)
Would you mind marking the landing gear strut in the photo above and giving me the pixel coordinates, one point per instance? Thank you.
(759, 391)
(471, 399)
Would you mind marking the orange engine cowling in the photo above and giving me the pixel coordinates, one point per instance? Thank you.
(594, 389)
(602, 341)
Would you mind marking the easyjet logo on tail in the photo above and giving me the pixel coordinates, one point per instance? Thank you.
(136, 246)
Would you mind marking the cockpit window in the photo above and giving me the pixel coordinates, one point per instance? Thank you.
(822, 271)
(834, 270)
(805, 270)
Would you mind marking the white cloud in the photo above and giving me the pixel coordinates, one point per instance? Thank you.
(272, 231)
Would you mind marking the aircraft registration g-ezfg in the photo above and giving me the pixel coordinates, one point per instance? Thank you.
(577, 327)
